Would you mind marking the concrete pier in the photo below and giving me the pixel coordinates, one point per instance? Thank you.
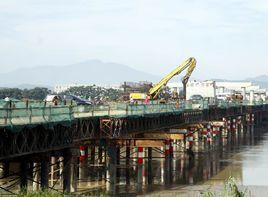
(23, 175)
(127, 165)
(44, 173)
(67, 156)
(149, 166)
(111, 169)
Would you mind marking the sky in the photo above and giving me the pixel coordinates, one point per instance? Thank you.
(228, 38)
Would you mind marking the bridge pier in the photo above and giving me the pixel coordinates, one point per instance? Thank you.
(100, 154)
(44, 173)
(69, 171)
(61, 167)
(36, 176)
(52, 170)
(23, 175)
(118, 162)
(83, 163)
(5, 168)
(67, 156)
(127, 165)
(92, 154)
(168, 161)
(149, 166)
(140, 169)
(112, 168)
(209, 137)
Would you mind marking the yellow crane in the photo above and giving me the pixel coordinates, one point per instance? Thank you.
(155, 90)
(189, 63)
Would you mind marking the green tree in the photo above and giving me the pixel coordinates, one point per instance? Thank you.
(95, 93)
(37, 93)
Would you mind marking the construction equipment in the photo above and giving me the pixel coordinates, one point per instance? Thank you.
(155, 90)
(189, 63)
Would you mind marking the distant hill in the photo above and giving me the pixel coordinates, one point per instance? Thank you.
(261, 80)
(88, 72)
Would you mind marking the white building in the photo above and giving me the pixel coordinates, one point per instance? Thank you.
(244, 88)
(221, 90)
(204, 88)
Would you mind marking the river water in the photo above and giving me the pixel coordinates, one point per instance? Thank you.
(246, 159)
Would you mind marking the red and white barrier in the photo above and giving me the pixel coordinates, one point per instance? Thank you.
(140, 155)
(82, 153)
(216, 131)
(209, 134)
(171, 147)
(228, 124)
(234, 125)
(204, 132)
(239, 120)
(252, 118)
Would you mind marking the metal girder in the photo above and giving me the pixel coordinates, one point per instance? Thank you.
(44, 138)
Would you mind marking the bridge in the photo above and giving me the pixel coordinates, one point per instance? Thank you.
(31, 133)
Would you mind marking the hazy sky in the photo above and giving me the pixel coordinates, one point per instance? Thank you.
(228, 38)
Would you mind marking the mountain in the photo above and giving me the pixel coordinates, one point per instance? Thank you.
(88, 72)
(261, 80)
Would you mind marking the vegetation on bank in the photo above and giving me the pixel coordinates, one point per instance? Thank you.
(230, 190)
(51, 193)
(41, 193)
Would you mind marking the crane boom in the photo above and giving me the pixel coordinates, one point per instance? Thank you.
(190, 63)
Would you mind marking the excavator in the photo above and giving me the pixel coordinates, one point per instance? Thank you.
(156, 89)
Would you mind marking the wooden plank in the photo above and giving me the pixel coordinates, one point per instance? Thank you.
(173, 136)
(149, 143)
(181, 131)
(176, 136)
(142, 142)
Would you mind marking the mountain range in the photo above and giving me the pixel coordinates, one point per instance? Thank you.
(87, 72)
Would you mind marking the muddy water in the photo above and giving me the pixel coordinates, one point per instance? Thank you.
(246, 160)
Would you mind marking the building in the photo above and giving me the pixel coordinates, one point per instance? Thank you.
(243, 88)
(220, 90)
(207, 89)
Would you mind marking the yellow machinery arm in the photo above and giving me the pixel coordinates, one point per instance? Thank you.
(190, 63)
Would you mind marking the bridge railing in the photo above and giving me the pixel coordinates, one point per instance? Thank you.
(21, 113)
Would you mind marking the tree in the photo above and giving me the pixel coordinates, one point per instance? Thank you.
(37, 93)
(95, 93)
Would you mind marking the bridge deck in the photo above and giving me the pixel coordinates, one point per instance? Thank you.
(20, 113)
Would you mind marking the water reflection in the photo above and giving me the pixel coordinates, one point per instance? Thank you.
(243, 156)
